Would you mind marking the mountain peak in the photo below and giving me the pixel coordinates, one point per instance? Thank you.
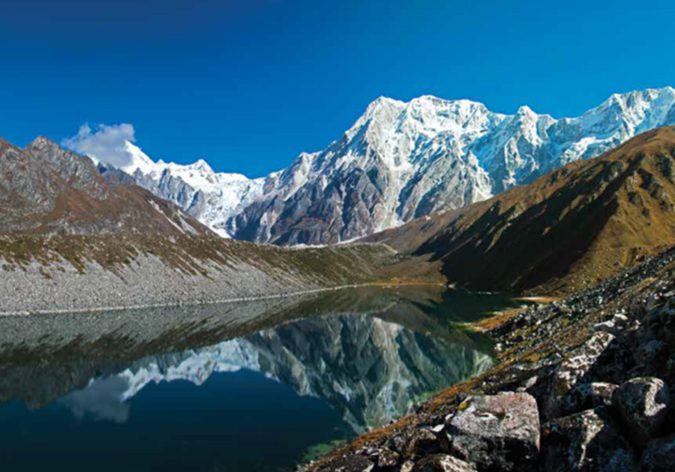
(4, 143)
(398, 161)
(524, 110)
(636, 97)
(50, 151)
(43, 142)
(201, 165)
(382, 100)
(138, 160)
(380, 105)
(57, 190)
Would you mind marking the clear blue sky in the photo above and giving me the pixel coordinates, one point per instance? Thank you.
(248, 84)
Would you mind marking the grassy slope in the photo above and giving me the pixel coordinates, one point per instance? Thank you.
(193, 255)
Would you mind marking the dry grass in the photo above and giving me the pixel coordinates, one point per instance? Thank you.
(492, 322)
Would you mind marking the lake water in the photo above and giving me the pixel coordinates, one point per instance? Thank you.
(236, 387)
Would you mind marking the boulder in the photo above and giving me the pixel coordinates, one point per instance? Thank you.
(396, 443)
(495, 432)
(642, 406)
(387, 459)
(421, 442)
(659, 455)
(407, 466)
(584, 441)
(574, 368)
(442, 463)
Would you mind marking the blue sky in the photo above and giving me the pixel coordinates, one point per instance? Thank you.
(248, 84)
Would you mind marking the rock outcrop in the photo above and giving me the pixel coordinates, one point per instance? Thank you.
(496, 432)
(584, 441)
(642, 405)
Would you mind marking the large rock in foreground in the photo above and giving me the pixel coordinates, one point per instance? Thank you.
(496, 432)
(584, 441)
(642, 404)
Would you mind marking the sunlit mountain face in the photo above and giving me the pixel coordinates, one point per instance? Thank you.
(257, 391)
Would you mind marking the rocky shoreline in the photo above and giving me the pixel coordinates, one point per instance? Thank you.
(584, 383)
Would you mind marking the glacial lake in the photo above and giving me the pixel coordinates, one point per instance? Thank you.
(258, 386)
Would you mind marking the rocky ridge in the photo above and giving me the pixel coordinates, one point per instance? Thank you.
(214, 198)
(583, 383)
(48, 190)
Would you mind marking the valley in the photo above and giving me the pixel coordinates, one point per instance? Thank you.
(549, 302)
(337, 236)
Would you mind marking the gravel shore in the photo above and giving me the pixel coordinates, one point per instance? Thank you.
(147, 281)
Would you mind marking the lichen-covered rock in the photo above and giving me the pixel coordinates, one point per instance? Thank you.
(387, 459)
(496, 432)
(350, 464)
(584, 441)
(572, 369)
(659, 455)
(442, 463)
(642, 405)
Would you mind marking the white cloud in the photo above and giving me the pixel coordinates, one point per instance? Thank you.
(107, 143)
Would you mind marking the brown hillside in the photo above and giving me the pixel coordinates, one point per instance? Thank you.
(46, 189)
(574, 226)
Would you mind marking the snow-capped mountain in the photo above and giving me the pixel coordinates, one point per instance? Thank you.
(399, 161)
(214, 198)
(404, 160)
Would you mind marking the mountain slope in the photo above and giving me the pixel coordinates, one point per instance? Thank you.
(583, 222)
(46, 189)
(73, 238)
(404, 160)
(214, 198)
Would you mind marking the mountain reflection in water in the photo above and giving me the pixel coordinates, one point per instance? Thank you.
(202, 385)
